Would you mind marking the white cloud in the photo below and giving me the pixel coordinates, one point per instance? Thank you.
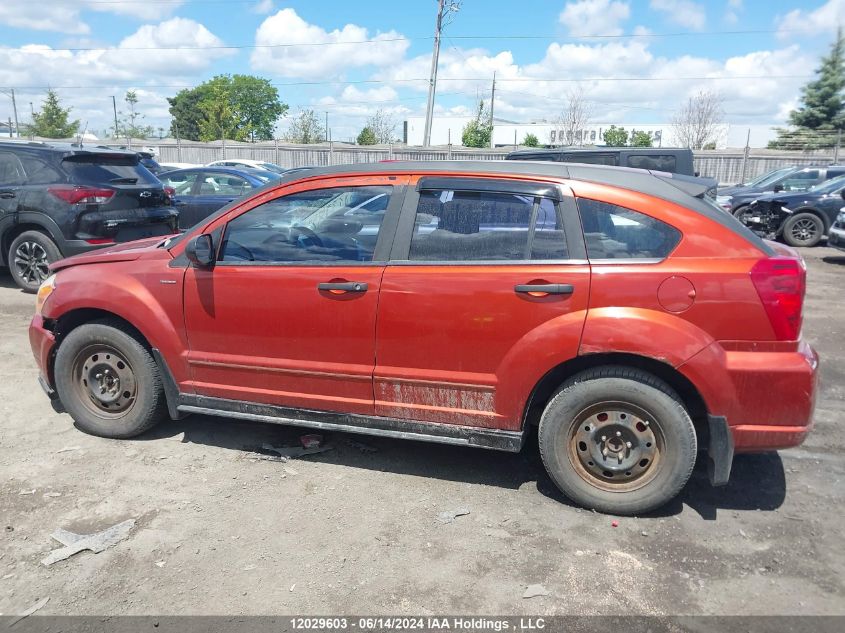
(595, 17)
(140, 10)
(64, 16)
(25, 14)
(732, 11)
(685, 13)
(263, 7)
(328, 53)
(86, 79)
(800, 22)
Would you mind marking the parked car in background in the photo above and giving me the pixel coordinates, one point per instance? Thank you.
(173, 166)
(836, 236)
(802, 218)
(199, 192)
(463, 303)
(59, 199)
(245, 162)
(673, 160)
(735, 199)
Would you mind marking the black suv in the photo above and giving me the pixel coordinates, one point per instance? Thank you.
(674, 160)
(61, 199)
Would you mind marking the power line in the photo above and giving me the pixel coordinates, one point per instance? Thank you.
(426, 79)
(571, 38)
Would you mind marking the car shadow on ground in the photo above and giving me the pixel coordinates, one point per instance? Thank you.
(758, 482)
(839, 260)
(6, 279)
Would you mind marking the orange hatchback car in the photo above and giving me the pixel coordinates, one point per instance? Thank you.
(620, 311)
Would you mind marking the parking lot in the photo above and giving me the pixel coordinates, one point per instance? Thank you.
(356, 529)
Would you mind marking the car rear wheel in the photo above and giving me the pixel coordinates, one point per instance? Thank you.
(617, 440)
(108, 381)
(30, 256)
(803, 229)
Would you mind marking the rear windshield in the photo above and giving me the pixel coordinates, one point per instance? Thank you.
(103, 170)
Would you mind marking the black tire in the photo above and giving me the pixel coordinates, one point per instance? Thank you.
(803, 229)
(29, 255)
(639, 411)
(740, 211)
(121, 372)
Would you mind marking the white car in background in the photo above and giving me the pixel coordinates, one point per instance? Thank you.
(245, 162)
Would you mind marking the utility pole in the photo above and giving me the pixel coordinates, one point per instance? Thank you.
(432, 82)
(15, 109)
(114, 106)
(492, 105)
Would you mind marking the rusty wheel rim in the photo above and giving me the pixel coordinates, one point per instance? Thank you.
(616, 446)
(104, 381)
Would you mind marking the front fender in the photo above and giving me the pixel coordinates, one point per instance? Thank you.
(157, 316)
(655, 334)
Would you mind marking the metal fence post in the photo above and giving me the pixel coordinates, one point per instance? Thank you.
(223, 148)
(331, 152)
(836, 149)
(276, 146)
(745, 157)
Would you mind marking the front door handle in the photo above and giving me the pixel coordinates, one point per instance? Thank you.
(7, 195)
(545, 289)
(339, 287)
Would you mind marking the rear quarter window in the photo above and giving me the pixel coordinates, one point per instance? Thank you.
(614, 232)
(660, 162)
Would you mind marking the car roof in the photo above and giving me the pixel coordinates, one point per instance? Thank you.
(65, 148)
(232, 171)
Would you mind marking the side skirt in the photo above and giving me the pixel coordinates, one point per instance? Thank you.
(510, 441)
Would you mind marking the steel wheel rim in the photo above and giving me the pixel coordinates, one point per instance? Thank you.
(803, 230)
(31, 262)
(616, 446)
(104, 381)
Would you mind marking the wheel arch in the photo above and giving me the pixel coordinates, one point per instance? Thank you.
(549, 383)
(812, 211)
(11, 233)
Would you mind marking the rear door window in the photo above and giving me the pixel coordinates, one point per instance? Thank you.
(801, 180)
(182, 184)
(614, 232)
(660, 162)
(486, 226)
(223, 185)
(11, 170)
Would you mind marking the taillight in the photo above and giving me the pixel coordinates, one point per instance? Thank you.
(74, 194)
(780, 283)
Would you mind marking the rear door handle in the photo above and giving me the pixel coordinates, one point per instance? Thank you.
(549, 289)
(7, 195)
(337, 287)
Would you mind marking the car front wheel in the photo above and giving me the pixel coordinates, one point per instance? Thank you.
(108, 382)
(803, 229)
(617, 440)
(30, 256)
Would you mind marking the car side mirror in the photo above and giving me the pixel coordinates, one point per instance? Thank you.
(842, 193)
(200, 251)
(778, 188)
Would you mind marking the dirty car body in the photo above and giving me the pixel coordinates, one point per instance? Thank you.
(619, 311)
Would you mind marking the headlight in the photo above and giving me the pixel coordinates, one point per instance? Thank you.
(44, 291)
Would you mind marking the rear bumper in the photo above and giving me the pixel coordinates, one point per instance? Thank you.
(767, 395)
(43, 342)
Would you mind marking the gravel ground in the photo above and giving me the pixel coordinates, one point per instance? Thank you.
(356, 531)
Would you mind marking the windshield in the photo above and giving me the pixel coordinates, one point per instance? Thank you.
(271, 167)
(771, 177)
(830, 186)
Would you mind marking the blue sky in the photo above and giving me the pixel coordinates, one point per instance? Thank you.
(634, 60)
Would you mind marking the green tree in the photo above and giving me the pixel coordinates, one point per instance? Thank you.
(367, 136)
(52, 120)
(639, 138)
(131, 124)
(239, 107)
(305, 128)
(821, 116)
(531, 140)
(477, 132)
(615, 136)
